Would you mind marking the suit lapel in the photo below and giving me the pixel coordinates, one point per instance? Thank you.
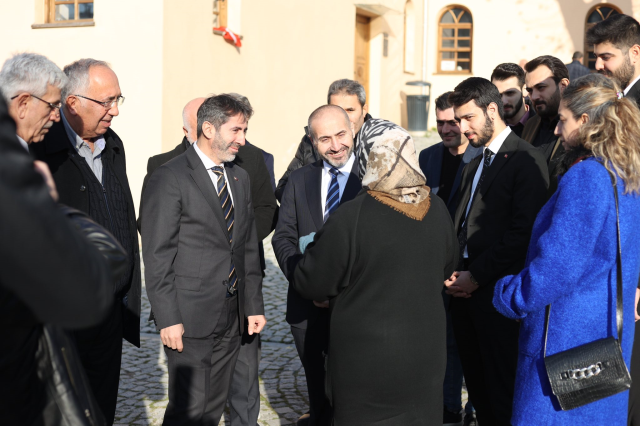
(201, 177)
(465, 192)
(313, 183)
(239, 207)
(469, 154)
(434, 168)
(505, 153)
(353, 185)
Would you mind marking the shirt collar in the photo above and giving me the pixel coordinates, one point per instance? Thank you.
(346, 169)
(496, 144)
(77, 140)
(631, 85)
(208, 162)
(23, 143)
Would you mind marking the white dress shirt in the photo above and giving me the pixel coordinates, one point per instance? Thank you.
(208, 164)
(343, 177)
(93, 158)
(626, 90)
(494, 147)
(24, 143)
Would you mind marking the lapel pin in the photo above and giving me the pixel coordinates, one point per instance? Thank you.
(506, 155)
(235, 178)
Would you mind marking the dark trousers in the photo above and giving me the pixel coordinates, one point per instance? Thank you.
(100, 352)
(244, 394)
(200, 375)
(634, 393)
(312, 344)
(488, 347)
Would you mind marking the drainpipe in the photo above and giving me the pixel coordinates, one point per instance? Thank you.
(425, 20)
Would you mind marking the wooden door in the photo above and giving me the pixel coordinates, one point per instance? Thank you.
(361, 66)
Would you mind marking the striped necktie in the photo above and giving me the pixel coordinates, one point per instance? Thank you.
(333, 195)
(227, 211)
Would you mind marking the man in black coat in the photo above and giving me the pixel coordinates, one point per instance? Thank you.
(616, 44)
(501, 194)
(37, 285)
(350, 96)
(312, 193)
(576, 68)
(87, 160)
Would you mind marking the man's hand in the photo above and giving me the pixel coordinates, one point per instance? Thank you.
(637, 298)
(42, 168)
(323, 305)
(459, 284)
(172, 336)
(256, 324)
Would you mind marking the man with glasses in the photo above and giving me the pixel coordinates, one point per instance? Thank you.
(87, 159)
(31, 85)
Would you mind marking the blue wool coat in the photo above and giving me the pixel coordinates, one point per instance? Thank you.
(571, 264)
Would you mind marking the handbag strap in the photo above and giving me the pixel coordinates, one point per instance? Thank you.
(619, 311)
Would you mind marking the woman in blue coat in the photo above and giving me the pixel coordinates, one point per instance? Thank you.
(571, 262)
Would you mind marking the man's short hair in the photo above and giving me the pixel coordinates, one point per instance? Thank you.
(321, 110)
(240, 97)
(557, 67)
(30, 73)
(217, 110)
(78, 74)
(577, 55)
(620, 30)
(442, 102)
(507, 70)
(350, 87)
(481, 91)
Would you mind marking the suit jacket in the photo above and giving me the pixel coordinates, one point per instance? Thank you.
(57, 151)
(552, 152)
(576, 70)
(187, 253)
(430, 160)
(501, 218)
(634, 94)
(251, 159)
(300, 215)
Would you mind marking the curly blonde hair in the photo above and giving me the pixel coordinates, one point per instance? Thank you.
(612, 132)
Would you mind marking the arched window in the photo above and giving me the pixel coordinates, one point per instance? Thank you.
(596, 14)
(455, 40)
(409, 37)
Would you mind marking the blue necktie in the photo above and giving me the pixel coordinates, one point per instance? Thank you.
(333, 195)
(227, 211)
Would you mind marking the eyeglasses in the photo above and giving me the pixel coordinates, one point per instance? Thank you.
(107, 104)
(51, 105)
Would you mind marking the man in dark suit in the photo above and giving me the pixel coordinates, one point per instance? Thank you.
(576, 68)
(442, 164)
(87, 160)
(202, 269)
(311, 194)
(509, 79)
(616, 44)
(546, 79)
(501, 194)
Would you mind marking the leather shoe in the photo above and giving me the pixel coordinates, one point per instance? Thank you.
(470, 419)
(304, 420)
(450, 418)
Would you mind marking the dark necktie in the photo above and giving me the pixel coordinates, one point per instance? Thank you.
(227, 211)
(333, 195)
(462, 236)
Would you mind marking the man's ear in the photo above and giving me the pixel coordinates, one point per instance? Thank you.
(186, 132)
(72, 104)
(563, 84)
(353, 129)
(365, 109)
(22, 105)
(492, 111)
(208, 130)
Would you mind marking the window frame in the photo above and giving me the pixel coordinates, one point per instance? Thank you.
(588, 50)
(455, 26)
(51, 11)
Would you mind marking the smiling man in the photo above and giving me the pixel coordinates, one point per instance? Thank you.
(509, 79)
(616, 44)
(313, 193)
(501, 193)
(87, 160)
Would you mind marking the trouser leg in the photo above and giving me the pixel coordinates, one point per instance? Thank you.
(244, 394)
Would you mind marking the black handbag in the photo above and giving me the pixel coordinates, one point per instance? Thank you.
(595, 370)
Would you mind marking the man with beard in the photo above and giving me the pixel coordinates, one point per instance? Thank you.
(509, 79)
(442, 165)
(202, 269)
(313, 193)
(500, 196)
(616, 44)
(546, 79)
(350, 96)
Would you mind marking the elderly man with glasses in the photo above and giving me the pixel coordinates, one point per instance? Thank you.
(87, 160)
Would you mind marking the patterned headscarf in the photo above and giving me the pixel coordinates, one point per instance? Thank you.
(393, 175)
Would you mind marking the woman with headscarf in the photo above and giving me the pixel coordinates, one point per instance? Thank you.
(381, 260)
(571, 264)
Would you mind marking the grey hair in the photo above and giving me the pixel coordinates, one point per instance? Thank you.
(217, 110)
(78, 74)
(31, 73)
(240, 97)
(321, 110)
(350, 87)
